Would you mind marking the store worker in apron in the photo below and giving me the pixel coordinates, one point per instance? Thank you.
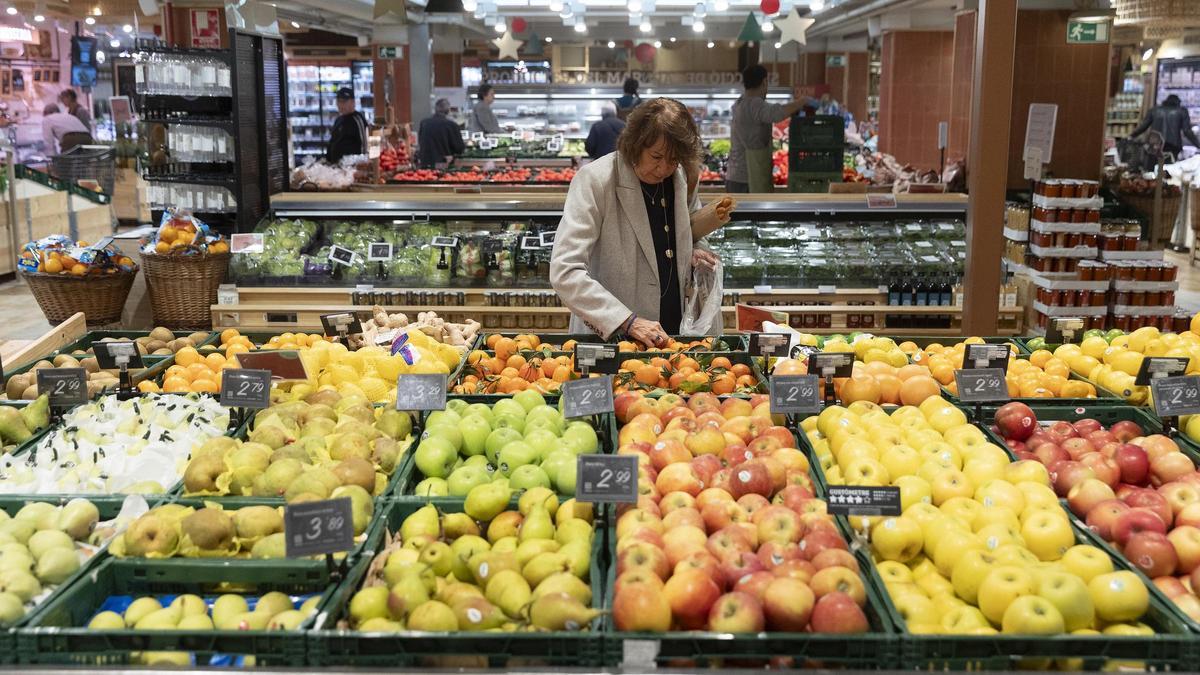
(623, 252)
(749, 168)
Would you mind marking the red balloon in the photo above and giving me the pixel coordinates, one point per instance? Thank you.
(645, 52)
(519, 25)
(769, 6)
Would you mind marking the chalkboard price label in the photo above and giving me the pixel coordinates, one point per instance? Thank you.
(831, 364)
(445, 242)
(769, 344)
(607, 478)
(1155, 367)
(986, 356)
(863, 501)
(548, 239)
(590, 396)
(116, 353)
(341, 256)
(379, 251)
(981, 385)
(799, 394)
(531, 242)
(421, 392)
(65, 386)
(598, 358)
(1175, 396)
(317, 528)
(242, 388)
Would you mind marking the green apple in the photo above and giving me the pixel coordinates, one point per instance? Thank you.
(479, 410)
(456, 405)
(528, 476)
(544, 414)
(564, 482)
(446, 431)
(544, 441)
(509, 421)
(507, 406)
(432, 487)
(475, 430)
(480, 461)
(435, 457)
(517, 453)
(439, 416)
(555, 460)
(529, 399)
(464, 478)
(497, 440)
(581, 438)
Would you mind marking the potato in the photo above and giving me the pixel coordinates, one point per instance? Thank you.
(90, 364)
(163, 352)
(143, 340)
(153, 346)
(198, 337)
(42, 364)
(16, 385)
(30, 392)
(65, 361)
(162, 334)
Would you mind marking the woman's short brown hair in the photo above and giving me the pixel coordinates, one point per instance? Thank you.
(661, 118)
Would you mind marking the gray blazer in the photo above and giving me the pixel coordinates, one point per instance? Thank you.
(603, 265)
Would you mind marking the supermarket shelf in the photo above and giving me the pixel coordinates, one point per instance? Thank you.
(1131, 255)
(1069, 311)
(1124, 285)
(1058, 252)
(213, 122)
(1016, 235)
(1070, 228)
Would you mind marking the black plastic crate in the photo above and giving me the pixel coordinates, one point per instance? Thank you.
(818, 132)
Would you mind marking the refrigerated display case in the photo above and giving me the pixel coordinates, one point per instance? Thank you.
(312, 101)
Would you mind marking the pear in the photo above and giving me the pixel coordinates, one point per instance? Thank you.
(463, 549)
(270, 546)
(406, 594)
(395, 424)
(272, 436)
(476, 613)
(273, 603)
(43, 515)
(485, 566)
(103, 621)
(559, 611)
(369, 603)
(327, 397)
(287, 620)
(506, 524)
(140, 608)
(347, 445)
(386, 454)
(12, 609)
(275, 480)
(485, 502)
(455, 525)
(573, 509)
(424, 521)
(380, 625)
(579, 557)
(432, 616)
(565, 582)
(362, 506)
(537, 525)
(78, 518)
(12, 426)
(526, 550)
(537, 495)
(356, 471)
(45, 540)
(327, 478)
(36, 415)
(20, 583)
(248, 621)
(166, 618)
(190, 605)
(21, 530)
(56, 565)
(15, 556)
(455, 590)
(509, 591)
(400, 560)
(202, 473)
(306, 483)
(225, 608)
(217, 446)
(310, 605)
(505, 545)
(574, 529)
(297, 451)
(256, 522)
(210, 529)
(543, 565)
(150, 534)
(438, 557)
(195, 622)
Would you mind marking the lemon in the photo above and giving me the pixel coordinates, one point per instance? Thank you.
(1094, 346)
(1141, 336)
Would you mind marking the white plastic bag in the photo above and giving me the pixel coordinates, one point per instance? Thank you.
(702, 304)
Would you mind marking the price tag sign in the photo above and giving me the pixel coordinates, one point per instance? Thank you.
(444, 242)
(607, 478)
(246, 243)
(285, 364)
(981, 385)
(340, 255)
(591, 396)
(1062, 330)
(600, 358)
(1155, 367)
(342, 322)
(243, 388)
(379, 251)
(531, 242)
(65, 386)
(421, 392)
(769, 344)
(317, 528)
(116, 354)
(884, 200)
(863, 501)
(986, 356)
(227, 294)
(1173, 396)
(799, 394)
(831, 364)
(640, 654)
(548, 239)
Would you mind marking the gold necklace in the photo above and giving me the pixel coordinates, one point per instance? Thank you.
(656, 196)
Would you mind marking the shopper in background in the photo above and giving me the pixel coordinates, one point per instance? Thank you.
(70, 102)
(438, 138)
(602, 137)
(349, 134)
(1171, 121)
(482, 118)
(623, 252)
(749, 168)
(62, 131)
(629, 101)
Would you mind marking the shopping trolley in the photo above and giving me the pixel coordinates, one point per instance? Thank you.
(91, 167)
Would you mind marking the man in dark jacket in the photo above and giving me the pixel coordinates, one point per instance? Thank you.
(602, 138)
(1172, 122)
(349, 133)
(438, 138)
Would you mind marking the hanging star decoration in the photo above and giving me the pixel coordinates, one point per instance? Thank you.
(508, 45)
(793, 27)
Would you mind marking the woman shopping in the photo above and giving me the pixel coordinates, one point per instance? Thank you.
(623, 252)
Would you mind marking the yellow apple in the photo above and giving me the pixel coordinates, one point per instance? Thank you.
(1047, 534)
(1086, 562)
(913, 490)
(921, 437)
(1032, 615)
(1037, 494)
(987, 451)
(998, 534)
(923, 510)
(969, 573)
(900, 460)
(1136, 629)
(892, 572)
(897, 538)
(944, 602)
(916, 609)
(1027, 471)
(885, 436)
(921, 566)
(962, 620)
(962, 509)
(949, 484)
(982, 470)
(1000, 493)
(1069, 594)
(935, 585)
(1003, 585)
(1119, 596)
(997, 515)
(943, 453)
(1015, 555)
(953, 545)
(965, 437)
(862, 471)
(946, 418)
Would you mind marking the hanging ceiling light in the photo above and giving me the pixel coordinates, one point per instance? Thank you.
(1147, 54)
(778, 45)
(500, 26)
(711, 44)
(91, 21)
(644, 26)
(611, 44)
(39, 17)
(549, 39)
(720, 5)
(697, 27)
(295, 24)
(580, 27)
(127, 28)
(11, 11)
(114, 43)
(658, 44)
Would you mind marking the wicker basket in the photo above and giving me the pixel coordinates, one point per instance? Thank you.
(183, 288)
(100, 298)
(1161, 231)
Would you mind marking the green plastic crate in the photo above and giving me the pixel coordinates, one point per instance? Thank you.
(57, 633)
(331, 646)
(410, 475)
(84, 343)
(1103, 396)
(1172, 649)
(924, 341)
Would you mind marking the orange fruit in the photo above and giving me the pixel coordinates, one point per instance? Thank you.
(206, 386)
(187, 356)
(889, 388)
(199, 370)
(215, 360)
(787, 367)
(916, 388)
(515, 361)
(942, 372)
(177, 371)
(724, 384)
(228, 334)
(175, 385)
(492, 340)
(721, 362)
(861, 388)
(913, 370)
(647, 374)
(79, 269)
(148, 386)
(1040, 357)
(234, 349)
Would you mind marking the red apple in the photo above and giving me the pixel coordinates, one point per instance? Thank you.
(1170, 466)
(1016, 421)
(636, 577)
(786, 438)
(1151, 552)
(1106, 469)
(704, 562)
(773, 553)
(733, 569)
(1062, 431)
(839, 580)
(644, 555)
(1076, 447)
(838, 613)
(1025, 455)
(711, 418)
(1133, 462)
(819, 540)
(752, 476)
(1134, 522)
(669, 451)
(704, 401)
(737, 428)
(736, 612)
(1171, 587)
(780, 524)
(1100, 437)
(642, 608)
(763, 446)
(788, 605)
(1050, 454)
(1190, 515)
(679, 478)
(673, 501)
(1068, 474)
(1087, 426)
(1086, 495)
(1152, 501)
(683, 541)
(792, 495)
(706, 466)
(1126, 430)
(704, 440)
(1103, 517)
(636, 519)
(678, 412)
(1038, 437)
(719, 515)
(691, 595)
(1186, 541)
(735, 454)
(683, 517)
(736, 407)
(834, 557)
(1016, 446)
(801, 570)
(621, 403)
(1179, 494)
(639, 536)
(753, 503)
(755, 584)
(728, 543)
(712, 495)
(776, 470)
